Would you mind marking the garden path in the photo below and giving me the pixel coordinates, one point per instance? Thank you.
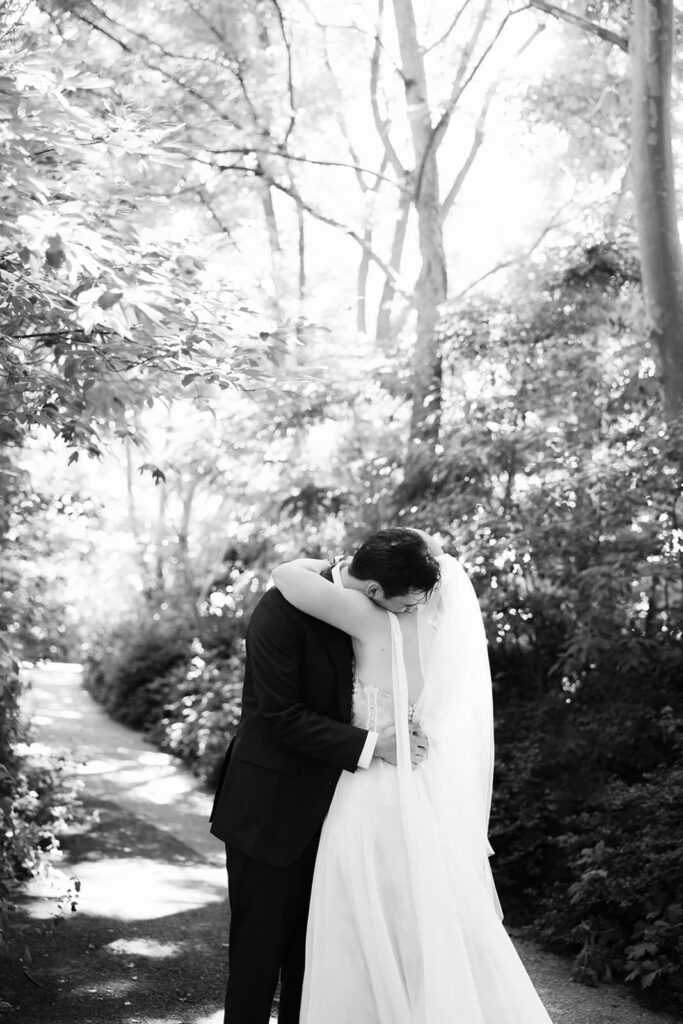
(147, 943)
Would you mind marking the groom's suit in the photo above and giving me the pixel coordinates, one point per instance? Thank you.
(279, 775)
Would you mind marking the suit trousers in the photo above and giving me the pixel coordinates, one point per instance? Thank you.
(268, 914)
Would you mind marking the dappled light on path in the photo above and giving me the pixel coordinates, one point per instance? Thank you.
(135, 889)
(188, 1018)
(143, 947)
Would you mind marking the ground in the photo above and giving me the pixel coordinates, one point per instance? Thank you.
(147, 944)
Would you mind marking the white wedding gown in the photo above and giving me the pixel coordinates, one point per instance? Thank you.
(404, 925)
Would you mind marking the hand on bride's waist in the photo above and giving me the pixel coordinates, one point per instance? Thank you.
(385, 748)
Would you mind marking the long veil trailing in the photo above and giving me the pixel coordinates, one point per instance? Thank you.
(470, 968)
(457, 713)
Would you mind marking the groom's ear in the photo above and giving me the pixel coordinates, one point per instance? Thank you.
(373, 590)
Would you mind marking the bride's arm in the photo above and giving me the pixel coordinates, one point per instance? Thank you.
(431, 542)
(301, 584)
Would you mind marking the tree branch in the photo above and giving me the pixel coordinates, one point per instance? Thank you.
(459, 87)
(471, 156)
(467, 51)
(510, 261)
(17, 22)
(381, 124)
(324, 219)
(205, 200)
(592, 27)
(342, 121)
(256, 151)
(451, 27)
(483, 113)
(290, 76)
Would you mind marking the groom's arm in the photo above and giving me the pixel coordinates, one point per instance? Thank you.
(275, 643)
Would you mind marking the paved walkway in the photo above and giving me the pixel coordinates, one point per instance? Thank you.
(147, 944)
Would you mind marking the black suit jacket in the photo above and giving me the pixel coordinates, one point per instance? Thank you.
(294, 737)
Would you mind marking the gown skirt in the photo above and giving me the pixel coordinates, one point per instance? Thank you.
(405, 932)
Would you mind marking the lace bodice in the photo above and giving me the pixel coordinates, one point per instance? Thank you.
(374, 708)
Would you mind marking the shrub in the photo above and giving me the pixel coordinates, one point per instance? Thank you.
(37, 801)
(202, 710)
(152, 675)
(128, 670)
(587, 821)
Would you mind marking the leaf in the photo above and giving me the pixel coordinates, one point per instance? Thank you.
(87, 81)
(72, 458)
(54, 254)
(157, 474)
(109, 298)
(69, 367)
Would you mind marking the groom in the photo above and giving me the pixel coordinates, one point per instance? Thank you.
(293, 741)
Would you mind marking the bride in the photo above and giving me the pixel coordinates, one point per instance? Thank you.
(404, 924)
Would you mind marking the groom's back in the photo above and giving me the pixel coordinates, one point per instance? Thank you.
(273, 794)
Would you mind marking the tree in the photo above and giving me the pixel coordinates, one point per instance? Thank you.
(652, 43)
(428, 126)
(432, 283)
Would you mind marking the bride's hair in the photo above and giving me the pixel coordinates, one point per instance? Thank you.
(399, 560)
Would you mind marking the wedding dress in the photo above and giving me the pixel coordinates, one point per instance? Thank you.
(404, 924)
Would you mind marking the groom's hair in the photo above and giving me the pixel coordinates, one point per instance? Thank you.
(399, 560)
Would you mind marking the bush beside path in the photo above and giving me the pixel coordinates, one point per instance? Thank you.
(147, 943)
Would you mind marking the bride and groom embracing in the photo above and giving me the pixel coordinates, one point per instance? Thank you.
(354, 801)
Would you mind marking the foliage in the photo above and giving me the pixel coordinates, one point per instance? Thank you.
(153, 675)
(128, 672)
(103, 309)
(586, 818)
(201, 710)
(36, 800)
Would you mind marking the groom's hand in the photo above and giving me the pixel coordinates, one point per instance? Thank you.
(385, 748)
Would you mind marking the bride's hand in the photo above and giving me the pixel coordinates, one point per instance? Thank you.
(419, 745)
(431, 542)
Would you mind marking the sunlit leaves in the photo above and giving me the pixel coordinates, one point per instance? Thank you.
(560, 477)
(103, 307)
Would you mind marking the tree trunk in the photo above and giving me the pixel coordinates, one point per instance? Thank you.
(432, 281)
(130, 494)
(133, 516)
(386, 302)
(184, 537)
(653, 186)
(362, 286)
(276, 254)
(161, 534)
